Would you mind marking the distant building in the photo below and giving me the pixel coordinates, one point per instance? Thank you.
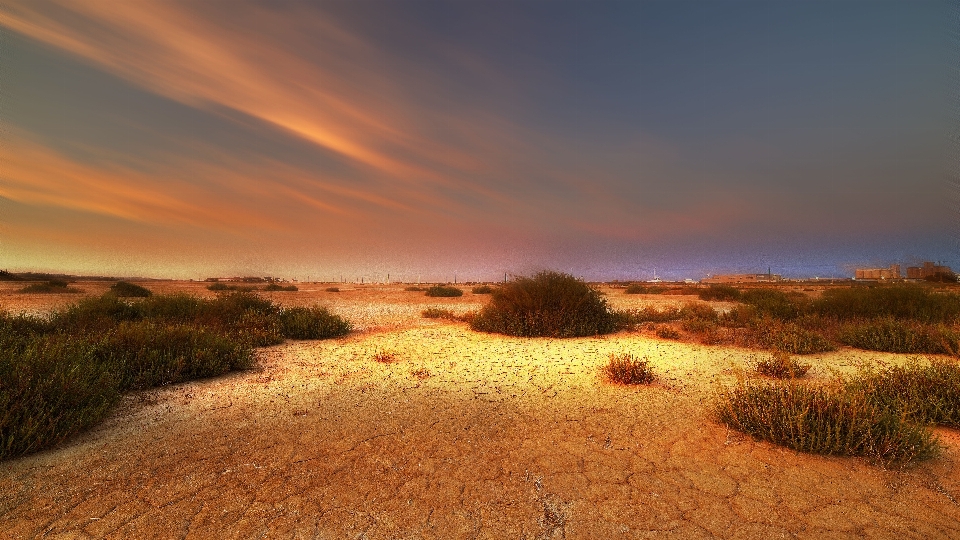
(743, 278)
(878, 273)
(928, 269)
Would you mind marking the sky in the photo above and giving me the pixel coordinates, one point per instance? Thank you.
(464, 139)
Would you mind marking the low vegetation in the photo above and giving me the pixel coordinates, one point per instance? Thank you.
(384, 356)
(781, 365)
(636, 288)
(482, 289)
(824, 420)
(413, 288)
(444, 291)
(223, 287)
(332, 289)
(626, 369)
(62, 374)
(52, 286)
(126, 289)
(276, 287)
(439, 313)
(549, 304)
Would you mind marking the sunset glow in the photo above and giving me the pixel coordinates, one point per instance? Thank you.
(434, 139)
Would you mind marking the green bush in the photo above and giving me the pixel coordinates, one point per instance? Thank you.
(823, 421)
(312, 323)
(52, 286)
(723, 293)
(789, 337)
(548, 304)
(781, 365)
(698, 311)
(482, 289)
(276, 287)
(927, 394)
(129, 290)
(51, 388)
(892, 335)
(913, 303)
(442, 291)
(774, 303)
(625, 369)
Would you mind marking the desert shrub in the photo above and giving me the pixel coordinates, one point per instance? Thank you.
(413, 288)
(438, 313)
(50, 389)
(126, 289)
(312, 323)
(666, 332)
(928, 394)
(739, 316)
(892, 335)
(548, 304)
(637, 288)
(384, 356)
(276, 287)
(823, 421)
(774, 303)
(913, 303)
(52, 286)
(698, 311)
(332, 289)
(149, 354)
(482, 289)
(443, 291)
(723, 293)
(652, 314)
(789, 337)
(222, 287)
(625, 369)
(9, 276)
(781, 365)
(96, 314)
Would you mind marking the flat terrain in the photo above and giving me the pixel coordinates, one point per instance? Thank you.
(464, 435)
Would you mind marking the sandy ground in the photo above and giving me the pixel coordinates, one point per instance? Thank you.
(464, 435)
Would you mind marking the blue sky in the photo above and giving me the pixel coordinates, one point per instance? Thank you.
(605, 139)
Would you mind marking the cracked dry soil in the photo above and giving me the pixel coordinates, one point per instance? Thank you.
(464, 435)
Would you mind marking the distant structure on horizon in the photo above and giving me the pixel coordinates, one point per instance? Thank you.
(743, 278)
(878, 273)
(929, 269)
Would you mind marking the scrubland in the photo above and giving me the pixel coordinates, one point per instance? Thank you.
(547, 409)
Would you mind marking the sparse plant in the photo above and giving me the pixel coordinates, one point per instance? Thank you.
(548, 304)
(824, 420)
(438, 313)
(52, 286)
(126, 289)
(276, 287)
(781, 365)
(384, 356)
(421, 373)
(723, 293)
(667, 332)
(625, 369)
(444, 291)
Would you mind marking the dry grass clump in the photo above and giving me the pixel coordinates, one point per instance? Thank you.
(482, 289)
(276, 287)
(549, 304)
(385, 357)
(781, 365)
(824, 420)
(438, 313)
(667, 332)
(625, 369)
(443, 291)
(126, 289)
(52, 286)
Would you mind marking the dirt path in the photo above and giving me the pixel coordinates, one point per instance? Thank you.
(466, 435)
